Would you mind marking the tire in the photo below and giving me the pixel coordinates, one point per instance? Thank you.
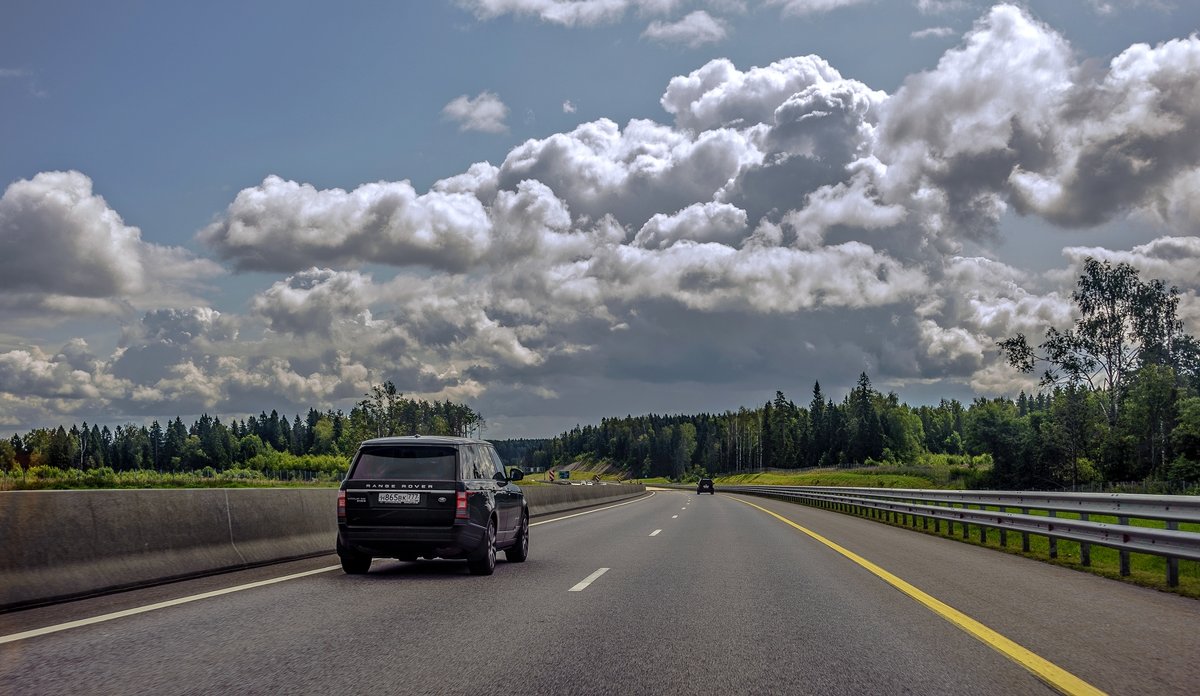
(712, 492)
(482, 561)
(354, 563)
(520, 548)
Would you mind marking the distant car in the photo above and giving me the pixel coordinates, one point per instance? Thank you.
(430, 497)
(705, 484)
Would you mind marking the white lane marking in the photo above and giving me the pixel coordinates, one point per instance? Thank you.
(582, 585)
(674, 517)
(655, 532)
(11, 638)
(588, 512)
(682, 508)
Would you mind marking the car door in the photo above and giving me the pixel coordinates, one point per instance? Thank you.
(508, 496)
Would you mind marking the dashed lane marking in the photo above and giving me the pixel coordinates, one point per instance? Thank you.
(583, 584)
(656, 532)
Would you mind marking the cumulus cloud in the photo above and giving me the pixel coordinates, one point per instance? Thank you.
(1010, 118)
(62, 248)
(484, 113)
(692, 30)
(287, 226)
(701, 222)
(568, 107)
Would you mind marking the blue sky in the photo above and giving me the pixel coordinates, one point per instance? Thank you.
(169, 111)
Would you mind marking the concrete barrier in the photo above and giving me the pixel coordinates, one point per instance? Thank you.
(62, 544)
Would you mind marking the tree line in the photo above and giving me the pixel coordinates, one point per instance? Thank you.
(1118, 401)
(319, 441)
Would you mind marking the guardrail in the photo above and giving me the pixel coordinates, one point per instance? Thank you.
(988, 510)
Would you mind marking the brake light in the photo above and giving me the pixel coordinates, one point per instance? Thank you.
(460, 505)
(341, 505)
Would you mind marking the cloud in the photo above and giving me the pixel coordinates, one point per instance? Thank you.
(941, 6)
(287, 226)
(701, 222)
(484, 113)
(719, 94)
(1074, 144)
(801, 8)
(63, 249)
(568, 107)
(692, 30)
(933, 32)
(567, 13)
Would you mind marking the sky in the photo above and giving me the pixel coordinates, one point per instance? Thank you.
(558, 211)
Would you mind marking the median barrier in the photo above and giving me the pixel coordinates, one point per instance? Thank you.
(64, 544)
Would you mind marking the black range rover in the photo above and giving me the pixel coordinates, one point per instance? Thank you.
(430, 497)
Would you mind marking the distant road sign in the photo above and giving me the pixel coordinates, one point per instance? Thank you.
(564, 475)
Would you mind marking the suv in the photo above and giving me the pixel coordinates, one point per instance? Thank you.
(430, 497)
(705, 484)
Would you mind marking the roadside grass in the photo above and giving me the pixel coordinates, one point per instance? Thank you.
(829, 477)
(1145, 570)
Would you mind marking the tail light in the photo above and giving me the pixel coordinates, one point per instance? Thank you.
(460, 505)
(341, 505)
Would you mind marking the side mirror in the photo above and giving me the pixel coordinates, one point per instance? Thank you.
(501, 477)
(517, 475)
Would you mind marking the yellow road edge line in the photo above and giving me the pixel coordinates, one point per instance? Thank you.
(13, 637)
(1057, 677)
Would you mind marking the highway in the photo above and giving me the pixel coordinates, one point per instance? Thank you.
(669, 593)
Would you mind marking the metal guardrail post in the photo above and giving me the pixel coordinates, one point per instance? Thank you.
(1172, 563)
(1124, 554)
(1053, 541)
(1085, 549)
(1025, 535)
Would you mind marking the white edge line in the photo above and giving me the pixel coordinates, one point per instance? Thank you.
(655, 532)
(588, 512)
(12, 638)
(583, 584)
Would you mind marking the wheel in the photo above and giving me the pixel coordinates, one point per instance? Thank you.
(712, 492)
(353, 563)
(520, 549)
(482, 561)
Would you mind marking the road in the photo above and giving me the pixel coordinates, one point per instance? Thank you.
(702, 594)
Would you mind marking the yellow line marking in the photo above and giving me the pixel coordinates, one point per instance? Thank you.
(1047, 671)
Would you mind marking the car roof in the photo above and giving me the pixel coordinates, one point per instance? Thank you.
(423, 440)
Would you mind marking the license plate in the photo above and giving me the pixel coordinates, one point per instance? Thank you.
(400, 498)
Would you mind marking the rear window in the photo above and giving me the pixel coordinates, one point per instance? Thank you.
(405, 462)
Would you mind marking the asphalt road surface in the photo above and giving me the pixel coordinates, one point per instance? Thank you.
(669, 593)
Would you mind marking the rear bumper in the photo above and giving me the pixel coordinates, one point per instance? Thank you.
(394, 541)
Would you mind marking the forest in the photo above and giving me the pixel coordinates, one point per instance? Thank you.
(321, 442)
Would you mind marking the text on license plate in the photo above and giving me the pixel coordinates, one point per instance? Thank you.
(402, 498)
